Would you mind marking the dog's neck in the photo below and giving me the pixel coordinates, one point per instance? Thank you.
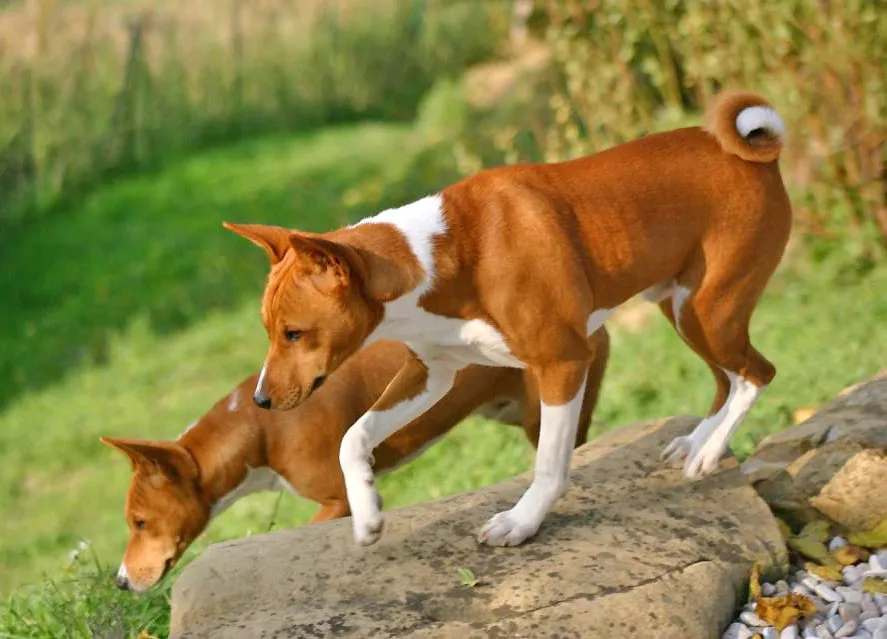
(228, 444)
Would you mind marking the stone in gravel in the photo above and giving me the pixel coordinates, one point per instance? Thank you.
(846, 630)
(782, 586)
(850, 595)
(810, 582)
(801, 589)
(790, 632)
(770, 633)
(822, 632)
(751, 619)
(872, 624)
(828, 594)
(767, 589)
(868, 604)
(880, 633)
(849, 611)
(737, 630)
(852, 574)
(835, 623)
(836, 542)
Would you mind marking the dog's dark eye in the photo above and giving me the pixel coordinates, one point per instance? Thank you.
(292, 336)
(140, 524)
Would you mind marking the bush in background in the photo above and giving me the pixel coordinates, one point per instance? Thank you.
(96, 87)
(619, 69)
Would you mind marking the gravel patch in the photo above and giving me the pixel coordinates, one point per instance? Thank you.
(843, 608)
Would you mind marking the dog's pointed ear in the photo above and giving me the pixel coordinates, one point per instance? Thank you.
(169, 458)
(329, 264)
(274, 239)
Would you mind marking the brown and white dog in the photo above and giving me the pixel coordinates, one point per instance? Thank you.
(236, 448)
(518, 266)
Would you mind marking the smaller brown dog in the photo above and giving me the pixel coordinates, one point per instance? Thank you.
(238, 448)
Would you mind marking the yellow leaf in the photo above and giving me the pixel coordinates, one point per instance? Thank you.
(784, 610)
(754, 583)
(874, 538)
(817, 530)
(784, 529)
(874, 585)
(850, 554)
(813, 549)
(826, 573)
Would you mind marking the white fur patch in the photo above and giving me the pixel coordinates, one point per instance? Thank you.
(703, 448)
(369, 431)
(256, 480)
(759, 117)
(551, 475)
(679, 297)
(596, 319)
(234, 400)
(260, 384)
(122, 575)
(461, 341)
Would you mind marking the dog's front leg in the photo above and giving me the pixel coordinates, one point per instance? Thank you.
(562, 390)
(417, 387)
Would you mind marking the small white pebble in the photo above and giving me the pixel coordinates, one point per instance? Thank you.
(824, 633)
(835, 623)
(869, 605)
(851, 575)
(873, 623)
(801, 589)
(850, 595)
(751, 619)
(846, 630)
(828, 594)
(837, 542)
(811, 582)
(880, 633)
(849, 611)
(882, 557)
(861, 634)
(790, 632)
(875, 563)
(767, 589)
(782, 586)
(737, 630)
(770, 633)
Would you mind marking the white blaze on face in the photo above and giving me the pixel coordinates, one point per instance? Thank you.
(260, 385)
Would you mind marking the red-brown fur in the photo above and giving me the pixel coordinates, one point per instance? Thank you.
(175, 484)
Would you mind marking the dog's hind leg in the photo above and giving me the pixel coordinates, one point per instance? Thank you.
(714, 320)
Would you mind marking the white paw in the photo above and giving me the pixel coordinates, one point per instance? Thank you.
(507, 529)
(368, 529)
(700, 455)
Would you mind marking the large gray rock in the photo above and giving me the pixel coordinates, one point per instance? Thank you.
(632, 550)
(831, 463)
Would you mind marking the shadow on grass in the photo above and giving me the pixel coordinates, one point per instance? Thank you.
(152, 246)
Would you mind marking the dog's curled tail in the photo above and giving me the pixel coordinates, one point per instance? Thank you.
(746, 125)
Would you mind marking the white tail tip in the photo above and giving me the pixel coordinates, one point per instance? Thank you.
(760, 117)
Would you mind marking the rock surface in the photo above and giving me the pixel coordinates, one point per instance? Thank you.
(828, 461)
(632, 550)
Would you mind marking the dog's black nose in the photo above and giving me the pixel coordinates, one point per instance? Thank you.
(262, 401)
(122, 582)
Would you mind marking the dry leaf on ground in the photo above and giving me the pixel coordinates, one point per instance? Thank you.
(784, 610)
(850, 554)
(754, 583)
(874, 538)
(825, 573)
(874, 585)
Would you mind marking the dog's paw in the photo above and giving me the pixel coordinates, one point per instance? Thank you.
(699, 459)
(368, 531)
(506, 529)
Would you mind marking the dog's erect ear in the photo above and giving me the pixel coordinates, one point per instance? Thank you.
(274, 239)
(169, 458)
(329, 264)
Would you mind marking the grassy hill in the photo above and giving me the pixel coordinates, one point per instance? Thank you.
(131, 314)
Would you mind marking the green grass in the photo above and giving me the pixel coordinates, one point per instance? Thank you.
(133, 313)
